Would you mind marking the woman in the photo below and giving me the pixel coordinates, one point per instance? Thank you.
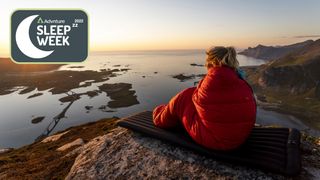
(220, 112)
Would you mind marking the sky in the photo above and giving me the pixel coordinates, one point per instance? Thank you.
(182, 24)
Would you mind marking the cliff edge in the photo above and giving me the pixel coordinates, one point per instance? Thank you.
(126, 154)
(100, 150)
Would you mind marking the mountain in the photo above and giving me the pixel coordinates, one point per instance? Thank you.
(297, 71)
(273, 52)
(292, 82)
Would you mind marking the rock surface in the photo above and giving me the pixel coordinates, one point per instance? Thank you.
(3, 150)
(124, 154)
(77, 142)
(111, 152)
(54, 137)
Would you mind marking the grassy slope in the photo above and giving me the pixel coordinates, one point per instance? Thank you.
(307, 54)
(41, 160)
(304, 105)
(301, 106)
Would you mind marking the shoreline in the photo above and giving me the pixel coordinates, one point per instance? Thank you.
(280, 105)
(300, 117)
(47, 80)
(303, 106)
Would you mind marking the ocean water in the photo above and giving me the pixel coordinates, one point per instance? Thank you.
(150, 75)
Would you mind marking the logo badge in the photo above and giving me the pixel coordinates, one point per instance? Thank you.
(49, 36)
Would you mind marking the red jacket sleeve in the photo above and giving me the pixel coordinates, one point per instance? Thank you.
(167, 116)
(163, 118)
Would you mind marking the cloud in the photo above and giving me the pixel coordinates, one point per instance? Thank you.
(307, 36)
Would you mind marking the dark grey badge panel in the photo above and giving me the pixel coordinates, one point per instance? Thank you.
(49, 36)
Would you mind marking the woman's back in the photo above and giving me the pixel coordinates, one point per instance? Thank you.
(225, 109)
(220, 112)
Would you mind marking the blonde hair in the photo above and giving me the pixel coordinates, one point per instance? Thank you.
(220, 55)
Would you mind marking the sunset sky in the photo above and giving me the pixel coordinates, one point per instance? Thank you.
(183, 24)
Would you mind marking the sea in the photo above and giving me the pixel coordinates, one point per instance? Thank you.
(150, 75)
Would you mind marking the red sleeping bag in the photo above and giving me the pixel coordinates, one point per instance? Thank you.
(218, 114)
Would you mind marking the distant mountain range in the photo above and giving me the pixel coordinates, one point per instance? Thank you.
(274, 52)
(299, 70)
(293, 79)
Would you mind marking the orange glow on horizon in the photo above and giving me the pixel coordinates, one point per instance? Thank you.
(177, 43)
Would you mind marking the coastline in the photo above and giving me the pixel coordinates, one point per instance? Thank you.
(302, 115)
(302, 106)
(64, 89)
(55, 155)
(298, 116)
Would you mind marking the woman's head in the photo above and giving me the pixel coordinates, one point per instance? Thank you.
(219, 55)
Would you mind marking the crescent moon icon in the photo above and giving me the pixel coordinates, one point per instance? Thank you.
(24, 42)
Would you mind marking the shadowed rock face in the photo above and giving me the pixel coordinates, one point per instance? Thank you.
(292, 82)
(296, 73)
(318, 90)
(294, 78)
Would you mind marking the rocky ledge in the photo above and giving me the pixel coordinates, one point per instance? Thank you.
(124, 154)
(118, 153)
